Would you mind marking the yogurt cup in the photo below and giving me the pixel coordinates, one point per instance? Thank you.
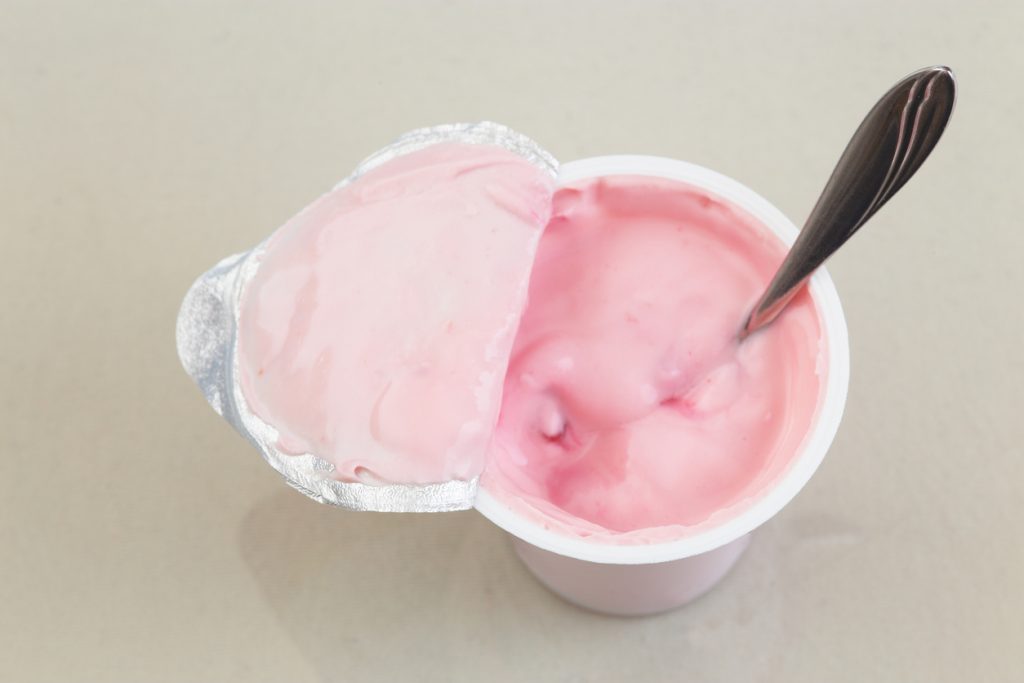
(594, 573)
(645, 579)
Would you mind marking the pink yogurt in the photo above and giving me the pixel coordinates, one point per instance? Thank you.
(631, 413)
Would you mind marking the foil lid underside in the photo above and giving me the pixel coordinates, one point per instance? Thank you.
(207, 345)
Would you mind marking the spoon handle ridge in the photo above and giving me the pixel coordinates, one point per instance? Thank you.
(890, 145)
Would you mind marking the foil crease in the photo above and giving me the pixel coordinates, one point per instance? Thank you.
(207, 346)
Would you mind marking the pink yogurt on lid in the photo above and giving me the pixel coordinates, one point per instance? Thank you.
(376, 331)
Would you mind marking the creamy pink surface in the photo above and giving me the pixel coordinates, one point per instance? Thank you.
(630, 411)
(377, 328)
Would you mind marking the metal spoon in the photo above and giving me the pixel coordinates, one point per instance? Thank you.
(891, 144)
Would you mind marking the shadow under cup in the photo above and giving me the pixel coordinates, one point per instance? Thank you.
(645, 579)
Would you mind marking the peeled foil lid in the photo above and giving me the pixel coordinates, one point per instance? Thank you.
(207, 340)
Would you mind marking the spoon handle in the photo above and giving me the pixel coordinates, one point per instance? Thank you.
(889, 146)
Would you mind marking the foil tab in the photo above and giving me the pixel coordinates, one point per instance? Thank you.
(207, 343)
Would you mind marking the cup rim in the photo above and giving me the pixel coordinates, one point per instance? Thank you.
(812, 450)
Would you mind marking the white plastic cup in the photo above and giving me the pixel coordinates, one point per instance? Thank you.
(645, 579)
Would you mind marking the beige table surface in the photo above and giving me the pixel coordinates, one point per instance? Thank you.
(142, 540)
